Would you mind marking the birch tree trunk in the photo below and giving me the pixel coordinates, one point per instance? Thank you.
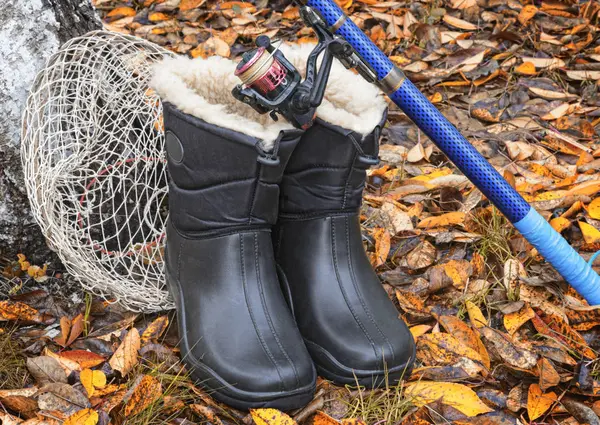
(30, 31)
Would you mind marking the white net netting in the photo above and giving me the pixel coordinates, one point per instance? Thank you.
(95, 169)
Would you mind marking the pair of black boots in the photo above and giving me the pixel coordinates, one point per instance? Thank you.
(264, 254)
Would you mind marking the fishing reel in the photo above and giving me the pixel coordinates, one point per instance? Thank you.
(271, 84)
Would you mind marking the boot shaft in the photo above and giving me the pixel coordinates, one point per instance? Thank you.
(220, 178)
(327, 171)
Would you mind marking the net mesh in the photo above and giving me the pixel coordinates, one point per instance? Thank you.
(95, 169)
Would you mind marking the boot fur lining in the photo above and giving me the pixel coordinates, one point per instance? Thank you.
(202, 87)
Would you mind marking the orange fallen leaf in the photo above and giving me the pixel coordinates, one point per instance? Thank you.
(92, 380)
(145, 393)
(382, 246)
(538, 403)
(458, 23)
(17, 311)
(560, 223)
(85, 359)
(527, 13)
(322, 418)
(448, 219)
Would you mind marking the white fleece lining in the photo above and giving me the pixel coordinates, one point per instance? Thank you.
(202, 88)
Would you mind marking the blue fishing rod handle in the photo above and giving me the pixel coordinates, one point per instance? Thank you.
(553, 247)
(557, 251)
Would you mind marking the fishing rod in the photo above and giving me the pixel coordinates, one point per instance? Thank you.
(272, 85)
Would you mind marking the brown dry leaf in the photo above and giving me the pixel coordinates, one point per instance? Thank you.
(459, 396)
(545, 63)
(559, 328)
(68, 365)
(538, 403)
(399, 220)
(70, 330)
(45, 369)
(448, 219)
(549, 377)
(513, 321)
(476, 317)
(322, 418)
(146, 392)
(527, 13)
(591, 235)
(155, 329)
(206, 412)
(504, 346)
(459, 23)
(589, 188)
(353, 421)
(126, 356)
(422, 256)
(212, 46)
(271, 417)
(382, 246)
(24, 406)
(462, 4)
(83, 417)
(190, 4)
(461, 331)
(583, 75)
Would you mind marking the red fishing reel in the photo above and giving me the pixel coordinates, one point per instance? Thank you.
(271, 84)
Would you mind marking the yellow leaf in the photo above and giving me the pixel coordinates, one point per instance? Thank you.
(513, 321)
(465, 334)
(476, 317)
(459, 272)
(92, 380)
(443, 220)
(155, 329)
(271, 417)
(560, 223)
(537, 402)
(82, 417)
(459, 396)
(594, 209)
(549, 196)
(590, 233)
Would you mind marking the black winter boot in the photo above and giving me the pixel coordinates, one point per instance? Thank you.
(237, 333)
(351, 328)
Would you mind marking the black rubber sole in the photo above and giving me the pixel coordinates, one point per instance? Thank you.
(329, 368)
(224, 392)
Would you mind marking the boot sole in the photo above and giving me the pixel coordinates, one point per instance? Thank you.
(223, 391)
(339, 374)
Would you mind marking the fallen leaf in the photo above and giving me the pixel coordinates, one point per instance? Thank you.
(145, 393)
(91, 380)
(382, 246)
(448, 219)
(444, 349)
(513, 321)
(459, 396)
(476, 317)
(461, 331)
(593, 209)
(17, 311)
(458, 23)
(126, 356)
(549, 377)
(591, 235)
(85, 359)
(538, 403)
(45, 369)
(322, 418)
(527, 13)
(271, 417)
(83, 417)
(155, 329)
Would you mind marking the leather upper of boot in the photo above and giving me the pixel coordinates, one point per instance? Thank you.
(237, 333)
